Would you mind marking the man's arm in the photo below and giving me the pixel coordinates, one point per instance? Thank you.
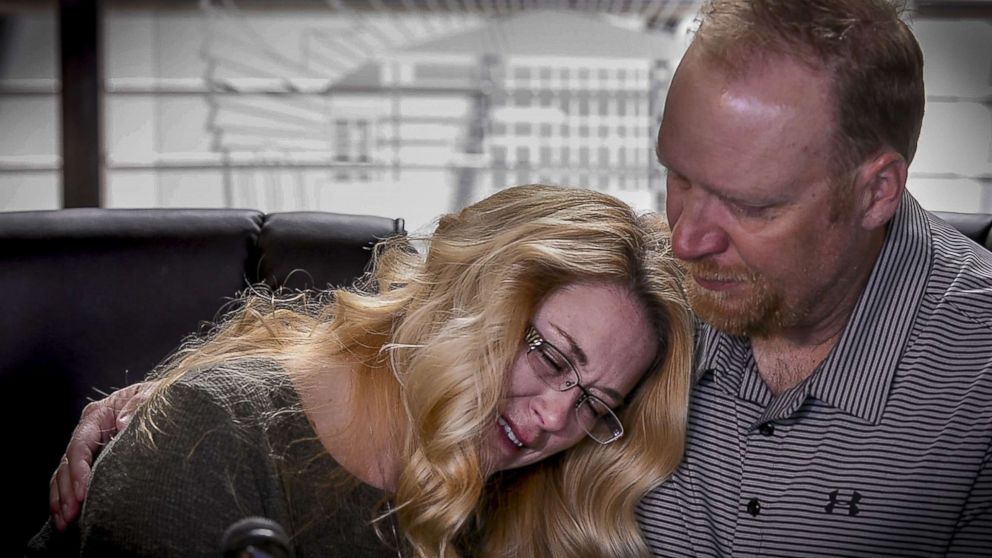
(101, 420)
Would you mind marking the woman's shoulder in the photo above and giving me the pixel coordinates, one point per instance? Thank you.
(243, 385)
(242, 401)
(234, 407)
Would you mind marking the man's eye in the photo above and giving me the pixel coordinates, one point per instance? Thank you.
(747, 210)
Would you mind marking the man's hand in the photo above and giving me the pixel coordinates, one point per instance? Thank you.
(101, 420)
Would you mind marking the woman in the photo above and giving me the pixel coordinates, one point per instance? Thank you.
(513, 391)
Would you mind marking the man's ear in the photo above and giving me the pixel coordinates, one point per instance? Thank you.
(881, 181)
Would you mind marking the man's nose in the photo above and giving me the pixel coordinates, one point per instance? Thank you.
(696, 233)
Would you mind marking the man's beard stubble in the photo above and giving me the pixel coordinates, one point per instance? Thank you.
(759, 312)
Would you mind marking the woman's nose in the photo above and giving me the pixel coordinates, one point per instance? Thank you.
(554, 409)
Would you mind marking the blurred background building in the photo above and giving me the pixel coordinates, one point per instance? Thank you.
(404, 108)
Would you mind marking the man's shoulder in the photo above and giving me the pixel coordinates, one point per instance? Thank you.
(960, 277)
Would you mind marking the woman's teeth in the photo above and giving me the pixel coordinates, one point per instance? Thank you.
(509, 432)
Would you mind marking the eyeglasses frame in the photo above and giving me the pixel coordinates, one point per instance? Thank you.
(536, 342)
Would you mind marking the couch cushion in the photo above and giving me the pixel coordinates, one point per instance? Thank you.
(314, 250)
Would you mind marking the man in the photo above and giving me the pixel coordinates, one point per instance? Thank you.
(843, 403)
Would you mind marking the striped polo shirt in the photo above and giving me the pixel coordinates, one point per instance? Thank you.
(883, 451)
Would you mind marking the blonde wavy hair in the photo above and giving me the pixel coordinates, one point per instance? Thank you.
(434, 332)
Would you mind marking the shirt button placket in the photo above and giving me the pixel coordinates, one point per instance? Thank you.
(754, 506)
(767, 429)
(759, 484)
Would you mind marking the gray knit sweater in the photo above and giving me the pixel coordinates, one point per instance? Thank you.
(233, 444)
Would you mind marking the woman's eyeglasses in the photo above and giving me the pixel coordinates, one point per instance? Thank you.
(557, 371)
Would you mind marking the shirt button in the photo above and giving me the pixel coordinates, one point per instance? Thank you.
(766, 429)
(754, 507)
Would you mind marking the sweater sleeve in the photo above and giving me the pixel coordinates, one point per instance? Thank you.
(175, 496)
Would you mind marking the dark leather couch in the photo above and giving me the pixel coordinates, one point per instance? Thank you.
(94, 298)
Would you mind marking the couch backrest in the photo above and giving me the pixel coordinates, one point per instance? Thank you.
(94, 298)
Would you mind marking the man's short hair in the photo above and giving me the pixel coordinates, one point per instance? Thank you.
(871, 54)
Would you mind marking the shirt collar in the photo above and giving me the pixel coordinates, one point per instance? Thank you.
(857, 374)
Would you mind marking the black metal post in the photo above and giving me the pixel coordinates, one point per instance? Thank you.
(80, 30)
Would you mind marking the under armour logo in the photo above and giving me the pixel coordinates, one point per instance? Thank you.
(852, 504)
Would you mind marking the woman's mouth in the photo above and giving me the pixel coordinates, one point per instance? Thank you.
(508, 430)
